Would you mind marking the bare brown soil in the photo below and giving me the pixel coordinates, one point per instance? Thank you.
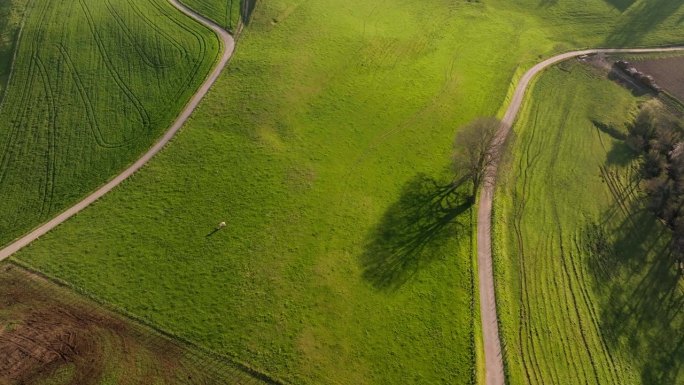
(49, 334)
(667, 72)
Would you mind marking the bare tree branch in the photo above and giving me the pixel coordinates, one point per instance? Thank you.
(477, 150)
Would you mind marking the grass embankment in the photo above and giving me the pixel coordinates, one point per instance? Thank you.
(93, 85)
(587, 291)
(324, 147)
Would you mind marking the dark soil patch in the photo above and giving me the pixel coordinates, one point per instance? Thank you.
(667, 72)
(48, 332)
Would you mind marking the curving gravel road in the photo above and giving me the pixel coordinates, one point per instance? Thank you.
(228, 48)
(492, 344)
(490, 328)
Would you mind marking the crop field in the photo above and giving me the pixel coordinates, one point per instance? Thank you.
(11, 14)
(225, 13)
(667, 72)
(93, 85)
(592, 298)
(325, 147)
(50, 335)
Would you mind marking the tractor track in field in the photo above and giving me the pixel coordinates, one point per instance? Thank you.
(492, 345)
(494, 366)
(228, 48)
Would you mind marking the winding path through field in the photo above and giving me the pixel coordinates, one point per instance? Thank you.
(492, 344)
(490, 328)
(228, 48)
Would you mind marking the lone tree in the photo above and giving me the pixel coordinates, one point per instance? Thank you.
(475, 150)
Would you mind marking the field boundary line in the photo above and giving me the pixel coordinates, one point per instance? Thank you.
(87, 298)
(495, 374)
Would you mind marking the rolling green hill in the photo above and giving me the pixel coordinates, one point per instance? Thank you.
(325, 147)
(93, 85)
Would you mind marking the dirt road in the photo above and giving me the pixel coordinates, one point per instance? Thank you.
(228, 48)
(492, 344)
(490, 328)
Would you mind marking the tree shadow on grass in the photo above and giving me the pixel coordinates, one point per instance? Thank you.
(414, 231)
(620, 5)
(620, 154)
(246, 10)
(642, 18)
(635, 88)
(641, 295)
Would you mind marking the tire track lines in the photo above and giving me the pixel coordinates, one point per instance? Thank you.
(529, 357)
(570, 292)
(554, 314)
(51, 153)
(492, 343)
(20, 109)
(146, 121)
(575, 306)
(87, 103)
(614, 373)
(135, 42)
(228, 48)
(201, 43)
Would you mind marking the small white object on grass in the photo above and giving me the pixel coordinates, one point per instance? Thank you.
(222, 225)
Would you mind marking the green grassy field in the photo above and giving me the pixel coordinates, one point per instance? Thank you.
(587, 293)
(11, 14)
(93, 85)
(224, 12)
(325, 147)
(72, 340)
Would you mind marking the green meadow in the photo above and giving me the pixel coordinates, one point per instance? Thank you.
(325, 148)
(92, 86)
(11, 14)
(225, 13)
(586, 290)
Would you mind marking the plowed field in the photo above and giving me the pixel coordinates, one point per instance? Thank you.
(667, 72)
(50, 335)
